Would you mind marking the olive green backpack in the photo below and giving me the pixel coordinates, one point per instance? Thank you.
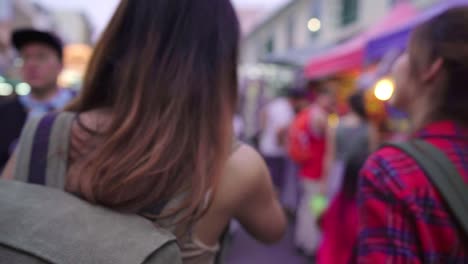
(40, 223)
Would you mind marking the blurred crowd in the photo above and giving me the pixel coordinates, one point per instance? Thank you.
(306, 144)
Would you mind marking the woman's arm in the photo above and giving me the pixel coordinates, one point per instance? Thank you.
(258, 210)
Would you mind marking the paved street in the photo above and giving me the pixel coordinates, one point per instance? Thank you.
(245, 250)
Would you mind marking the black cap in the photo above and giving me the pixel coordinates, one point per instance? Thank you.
(24, 37)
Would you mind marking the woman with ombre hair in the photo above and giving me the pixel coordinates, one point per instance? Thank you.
(152, 127)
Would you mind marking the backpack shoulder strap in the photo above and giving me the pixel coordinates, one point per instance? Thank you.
(58, 150)
(42, 160)
(39, 150)
(442, 173)
(32, 149)
(23, 149)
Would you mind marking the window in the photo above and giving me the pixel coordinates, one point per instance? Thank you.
(270, 45)
(290, 28)
(349, 11)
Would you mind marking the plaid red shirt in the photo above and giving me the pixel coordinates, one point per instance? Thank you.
(403, 218)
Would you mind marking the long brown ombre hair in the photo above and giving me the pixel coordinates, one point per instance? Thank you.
(167, 71)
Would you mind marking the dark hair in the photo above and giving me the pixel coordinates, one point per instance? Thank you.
(167, 69)
(354, 162)
(356, 102)
(23, 37)
(323, 89)
(295, 93)
(445, 37)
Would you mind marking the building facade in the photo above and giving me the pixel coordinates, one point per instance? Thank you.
(73, 26)
(312, 24)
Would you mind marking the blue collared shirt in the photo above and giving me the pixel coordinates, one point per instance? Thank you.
(57, 102)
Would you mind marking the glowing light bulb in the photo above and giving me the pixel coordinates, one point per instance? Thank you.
(384, 89)
(314, 24)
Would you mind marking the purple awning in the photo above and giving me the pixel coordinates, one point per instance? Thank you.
(397, 39)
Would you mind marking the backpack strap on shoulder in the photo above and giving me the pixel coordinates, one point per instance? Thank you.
(32, 149)
(58, 150)
(24, 149)
(442, 173)
(39, 150)
(41, 160)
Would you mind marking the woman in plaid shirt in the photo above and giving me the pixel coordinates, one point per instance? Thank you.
(403, 218)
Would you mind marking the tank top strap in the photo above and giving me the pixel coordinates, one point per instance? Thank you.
(42, 152)
(59, 146)
(236, 144)
(166, 207)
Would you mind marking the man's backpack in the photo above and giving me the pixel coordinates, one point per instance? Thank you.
(40, 224)
(443, 174)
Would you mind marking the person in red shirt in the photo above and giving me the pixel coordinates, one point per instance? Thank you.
(403, 218)
(306, 147)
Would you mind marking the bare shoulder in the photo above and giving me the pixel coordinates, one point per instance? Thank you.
(245, 192)
(244, 174)
(246, 160)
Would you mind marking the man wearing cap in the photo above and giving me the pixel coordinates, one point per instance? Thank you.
(41, 54)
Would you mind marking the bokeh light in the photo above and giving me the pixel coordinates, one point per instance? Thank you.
(6, 89)
(314, 24)
(23, 89)
(384, 89)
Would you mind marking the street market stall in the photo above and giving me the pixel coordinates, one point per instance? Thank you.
(345, 62)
